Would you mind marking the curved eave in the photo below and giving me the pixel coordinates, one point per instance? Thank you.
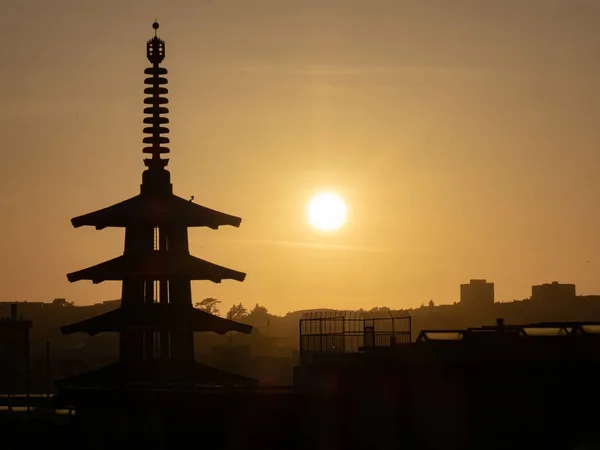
(157, 265)
(156, 317)
(156, 210)
(155, 373)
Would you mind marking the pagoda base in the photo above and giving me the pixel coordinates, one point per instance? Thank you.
(215, 418)
(155, 374)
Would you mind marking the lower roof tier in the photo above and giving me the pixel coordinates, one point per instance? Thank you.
(155, 373)
(156, 210)
(156, 265)
(156, 317)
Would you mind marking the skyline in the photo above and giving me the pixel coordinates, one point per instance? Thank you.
(457, 301)
(462, 150)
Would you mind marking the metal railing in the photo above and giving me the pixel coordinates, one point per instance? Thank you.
(352, 331)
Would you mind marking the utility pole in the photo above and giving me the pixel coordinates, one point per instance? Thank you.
(48, 380)
(230, 317)
(28, 381)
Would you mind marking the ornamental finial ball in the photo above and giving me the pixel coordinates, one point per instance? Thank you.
(155, 25)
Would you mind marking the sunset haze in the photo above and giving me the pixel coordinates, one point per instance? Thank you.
(463, 137)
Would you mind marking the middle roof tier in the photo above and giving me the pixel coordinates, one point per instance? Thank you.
(156, 265)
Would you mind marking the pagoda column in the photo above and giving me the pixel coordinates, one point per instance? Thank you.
(164, 337)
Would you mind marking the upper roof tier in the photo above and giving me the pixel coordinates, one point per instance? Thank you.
(157, 210)
(156, 265)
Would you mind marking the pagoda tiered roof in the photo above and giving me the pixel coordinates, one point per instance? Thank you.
(156, 265)
(157, 210)
(156, 317)
(156, 269)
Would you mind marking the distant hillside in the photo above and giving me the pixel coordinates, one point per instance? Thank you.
(272, 346)
(49, 317)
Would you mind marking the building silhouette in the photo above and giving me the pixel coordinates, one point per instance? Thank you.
(490, 387)
(553, 292)
(156, 319)
(14, 353)
(477, 293)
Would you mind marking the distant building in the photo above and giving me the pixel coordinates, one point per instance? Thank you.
(27, 309)
(592, 298)
(477, 293)
(553, 292)
(115, 303)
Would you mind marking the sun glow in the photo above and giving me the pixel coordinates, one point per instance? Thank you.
(327, 211)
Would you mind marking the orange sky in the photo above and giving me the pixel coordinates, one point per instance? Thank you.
(465, 140)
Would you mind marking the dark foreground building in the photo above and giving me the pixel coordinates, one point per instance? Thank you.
(495, 387)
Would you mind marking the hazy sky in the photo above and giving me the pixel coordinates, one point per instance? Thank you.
(464, 136)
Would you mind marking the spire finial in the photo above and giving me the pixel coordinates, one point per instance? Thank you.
(156, 47)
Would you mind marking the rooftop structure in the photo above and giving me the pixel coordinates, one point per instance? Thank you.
(352, 331)
(156, 319)
(540, 329)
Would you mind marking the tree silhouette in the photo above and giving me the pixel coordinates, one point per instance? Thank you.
(259, 311)
(259, 317)
(237, 312)
(61, 302)
(431, 303)
(209, 305)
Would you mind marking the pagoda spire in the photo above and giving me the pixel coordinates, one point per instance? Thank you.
(155, 52)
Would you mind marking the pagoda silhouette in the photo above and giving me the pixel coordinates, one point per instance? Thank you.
(156, 319)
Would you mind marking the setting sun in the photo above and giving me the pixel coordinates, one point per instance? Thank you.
(326, 211)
